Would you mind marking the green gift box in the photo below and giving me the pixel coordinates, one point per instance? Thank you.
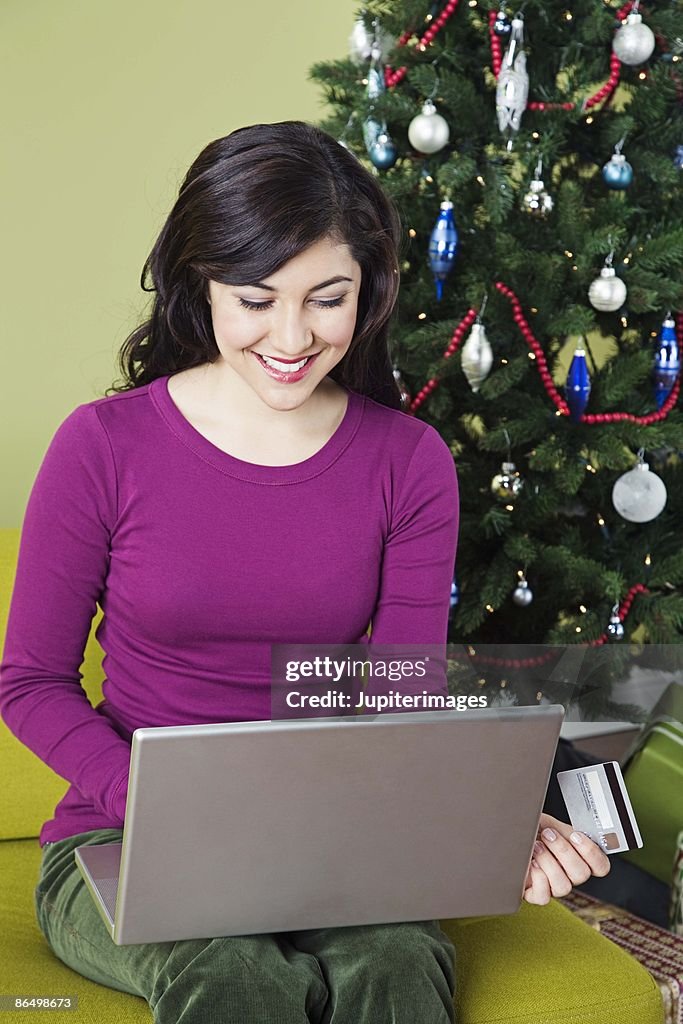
(653, 773)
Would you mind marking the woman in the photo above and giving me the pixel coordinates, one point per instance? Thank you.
(252, 481)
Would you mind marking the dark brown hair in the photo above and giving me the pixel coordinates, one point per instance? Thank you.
(250, 202)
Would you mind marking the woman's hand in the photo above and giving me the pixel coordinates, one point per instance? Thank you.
(562, 859)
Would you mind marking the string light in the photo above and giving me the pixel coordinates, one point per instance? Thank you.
(589, 119)
(648, 560)
(624, 322)
(539, 696)
(480, 179)
(504, 362)
(509, 508)
(421, 316)
(489, 608)
(578, 629)
(583, 609)
(568, 254)
(642, 76)
(601, 521)
(412, 232)
(532, 355)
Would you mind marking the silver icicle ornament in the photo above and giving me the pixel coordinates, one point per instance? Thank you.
(477, 356)
(361, 41)
(512, 90)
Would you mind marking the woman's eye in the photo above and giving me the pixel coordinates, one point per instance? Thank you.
(255, 305)
(320, 303)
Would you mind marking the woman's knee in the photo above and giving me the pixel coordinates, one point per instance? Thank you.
(245, 979)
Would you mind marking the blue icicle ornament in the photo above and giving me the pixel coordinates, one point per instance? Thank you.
(667, 361)
(443, 246)
(578, 385)
(379, 144)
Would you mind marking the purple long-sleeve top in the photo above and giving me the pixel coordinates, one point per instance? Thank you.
(200, 561)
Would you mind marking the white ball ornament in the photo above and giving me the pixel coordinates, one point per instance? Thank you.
(633, 42)
(639, 495)
(428, 132)
(608, 292)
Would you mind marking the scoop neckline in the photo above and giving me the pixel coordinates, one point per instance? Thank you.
(252, 471)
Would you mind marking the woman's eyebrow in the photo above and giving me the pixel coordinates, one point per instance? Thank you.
(323, 284)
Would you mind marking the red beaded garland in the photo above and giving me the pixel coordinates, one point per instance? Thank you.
(392, 78)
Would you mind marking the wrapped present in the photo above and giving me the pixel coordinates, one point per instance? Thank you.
(658, 950)
(676, 912)
(653, 772)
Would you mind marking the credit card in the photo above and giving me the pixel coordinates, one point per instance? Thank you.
(598, 804)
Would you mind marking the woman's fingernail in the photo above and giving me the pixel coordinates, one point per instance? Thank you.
(577, 838)
(549, 834)
(538, 847)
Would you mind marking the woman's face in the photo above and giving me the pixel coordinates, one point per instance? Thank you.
(307, 309)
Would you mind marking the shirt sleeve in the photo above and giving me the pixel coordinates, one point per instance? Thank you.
(60, 577)
(419, 552)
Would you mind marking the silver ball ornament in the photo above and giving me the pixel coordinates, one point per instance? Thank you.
(522, 595)
(607, 293)
(537, 202)
(507, 484)
(615, 629)
(428, 132)
(502, 25)
(633, 42)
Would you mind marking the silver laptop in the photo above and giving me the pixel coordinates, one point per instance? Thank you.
(255, 827)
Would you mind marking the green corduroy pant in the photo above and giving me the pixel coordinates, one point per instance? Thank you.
(373, 974)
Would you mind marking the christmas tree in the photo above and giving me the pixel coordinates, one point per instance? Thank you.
(536, 159)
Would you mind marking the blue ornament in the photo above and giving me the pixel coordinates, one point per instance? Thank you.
(578, 386)
(443, 246)
(678, 158)
(383, 151)
(667, 362)
(455, 593)
(617, 173)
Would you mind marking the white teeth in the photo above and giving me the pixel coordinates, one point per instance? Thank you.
(285, 367)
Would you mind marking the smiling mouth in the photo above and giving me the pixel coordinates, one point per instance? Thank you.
(285, 366)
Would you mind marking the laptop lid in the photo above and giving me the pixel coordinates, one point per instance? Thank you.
(256, 827)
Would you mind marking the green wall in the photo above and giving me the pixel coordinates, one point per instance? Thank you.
(105, 107)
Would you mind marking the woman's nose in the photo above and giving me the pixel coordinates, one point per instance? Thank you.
(291, 334)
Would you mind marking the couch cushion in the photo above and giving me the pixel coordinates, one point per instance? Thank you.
(29, 967)
(540, 966)
(30, 789)
(543, 965)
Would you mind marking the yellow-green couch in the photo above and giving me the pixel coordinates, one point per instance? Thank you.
(539, 966)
